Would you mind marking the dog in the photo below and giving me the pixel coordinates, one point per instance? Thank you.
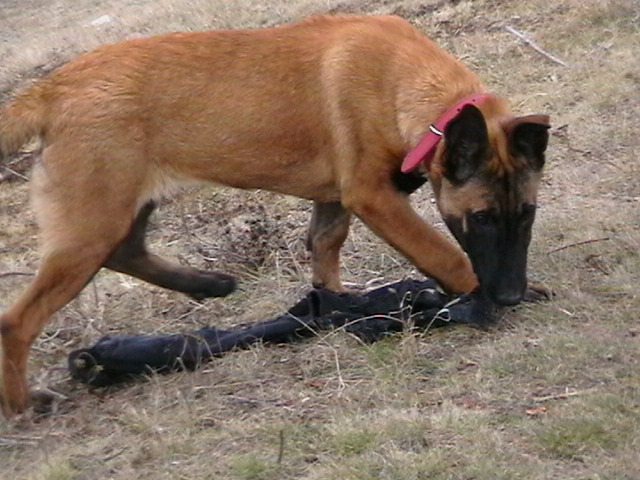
(350, 112)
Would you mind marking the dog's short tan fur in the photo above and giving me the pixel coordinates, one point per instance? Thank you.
(324, 109)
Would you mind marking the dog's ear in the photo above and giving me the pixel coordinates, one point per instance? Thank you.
(528, 137)
(467, 145)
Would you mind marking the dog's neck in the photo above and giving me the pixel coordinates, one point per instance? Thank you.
(421, 103)
(414, 121)
(424, 151)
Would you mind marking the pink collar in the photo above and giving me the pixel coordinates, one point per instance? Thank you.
(426, 148)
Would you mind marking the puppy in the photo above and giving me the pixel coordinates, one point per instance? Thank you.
(350, 112)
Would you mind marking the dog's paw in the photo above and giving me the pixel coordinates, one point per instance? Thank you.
(13, 407)
(39, 402)
(538, 292)
(211, 284)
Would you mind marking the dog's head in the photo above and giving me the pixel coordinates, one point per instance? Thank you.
(486, 189)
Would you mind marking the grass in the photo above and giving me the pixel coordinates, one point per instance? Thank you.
(602, 426)
(57, 469)
(551, 392)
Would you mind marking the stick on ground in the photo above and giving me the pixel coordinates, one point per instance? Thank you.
(529, 42)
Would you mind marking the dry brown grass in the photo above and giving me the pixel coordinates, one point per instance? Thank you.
(550, 393)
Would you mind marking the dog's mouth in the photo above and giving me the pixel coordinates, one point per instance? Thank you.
(507, 299)
(503, 289)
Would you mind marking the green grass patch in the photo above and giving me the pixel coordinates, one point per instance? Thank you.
(252, 467)
(57, 469)
(602, 424)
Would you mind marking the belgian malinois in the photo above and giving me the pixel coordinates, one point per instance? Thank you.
(331, 109)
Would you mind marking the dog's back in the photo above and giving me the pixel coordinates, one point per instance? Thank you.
(275, 108)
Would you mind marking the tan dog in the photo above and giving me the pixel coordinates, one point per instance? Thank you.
(325, 109)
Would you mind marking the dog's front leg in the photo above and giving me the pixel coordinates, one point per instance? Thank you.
(390, 215)
(327, 232)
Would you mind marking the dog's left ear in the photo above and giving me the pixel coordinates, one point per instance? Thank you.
(528, 137)
(467, 145)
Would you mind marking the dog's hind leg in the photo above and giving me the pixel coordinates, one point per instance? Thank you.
(327, 232)
(79, 231)
(131, 257)
(63, 272)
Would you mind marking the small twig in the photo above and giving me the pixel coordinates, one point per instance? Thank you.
(115, 455)
(559, 396)
(7, 176)
(281, 447)
(21, 438)
(584, 242)
(16, 162)
(16, 274)
(526, 40)
(341, 384)
(10, 441)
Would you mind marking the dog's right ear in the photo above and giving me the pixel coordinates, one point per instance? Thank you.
(467, 145)
(528, 137)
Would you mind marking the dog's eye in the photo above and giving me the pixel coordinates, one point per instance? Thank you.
(481, 218)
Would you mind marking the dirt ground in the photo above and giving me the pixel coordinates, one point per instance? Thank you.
(553, 391)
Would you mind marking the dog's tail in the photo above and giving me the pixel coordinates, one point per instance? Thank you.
(23, 118)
